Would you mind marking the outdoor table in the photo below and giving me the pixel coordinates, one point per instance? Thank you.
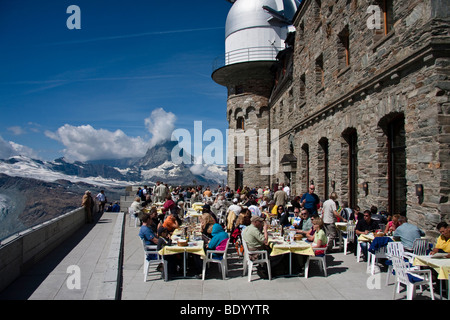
(193, 214)
(341, 227)
(279, 246)
(439, 263)
(194, 247)
(366, 237)
(197, 206)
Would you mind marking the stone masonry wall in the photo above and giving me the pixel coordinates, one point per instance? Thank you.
(403, 73)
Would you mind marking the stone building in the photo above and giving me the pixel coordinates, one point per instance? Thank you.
(360, 97)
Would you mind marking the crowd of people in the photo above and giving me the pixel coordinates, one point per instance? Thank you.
(248, 212)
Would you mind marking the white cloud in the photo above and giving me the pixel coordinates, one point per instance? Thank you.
(84, 143)
(10, 149)
(16, 130)
(161, 125)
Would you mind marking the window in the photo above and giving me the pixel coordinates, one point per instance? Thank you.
(319, 73)
(386, 18)
(302, 87)
(343, 48)
(388, 15)
(240, 123)
(317, 11)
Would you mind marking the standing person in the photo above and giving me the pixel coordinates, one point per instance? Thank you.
(101, 198)
(157, 192)
(280, 197)
(310, 200)
(330, 216)
(87, 203)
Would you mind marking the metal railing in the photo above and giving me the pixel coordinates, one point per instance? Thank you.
(246, 55)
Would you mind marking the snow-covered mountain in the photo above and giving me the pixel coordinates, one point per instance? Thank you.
(33, 191)
(154, 166)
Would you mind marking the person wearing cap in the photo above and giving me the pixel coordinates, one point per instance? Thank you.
(256, 235)
(257, 238)
(235, 207)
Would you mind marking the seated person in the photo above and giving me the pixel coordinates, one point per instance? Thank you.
(173, 260)
(169, 205)
(147, 201)
(392, 225)
(207, 222)
(147, 235)
(257, 238)
(365, 226)
(171, 222)
(347, 213)
(307, 223)
(137, 208)
(115, 207)
(407, 233)
(443, 241)
(283, 216)
(217, 241)
(320, 238)
(298, 221)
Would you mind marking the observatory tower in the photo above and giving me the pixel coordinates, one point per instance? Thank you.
(255, 32)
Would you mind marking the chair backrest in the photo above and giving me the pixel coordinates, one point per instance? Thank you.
(245, 248)
(150, 250)
(420, 247)
(395, 249)
(400, 268)
(351, 231)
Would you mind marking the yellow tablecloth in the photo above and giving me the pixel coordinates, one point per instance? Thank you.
(193, 214)
(198, 206)
(298, 247)
(195, 249)
(366, 237)
(441, 265)
(342, 226)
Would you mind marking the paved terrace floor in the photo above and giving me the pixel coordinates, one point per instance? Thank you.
(89, 248)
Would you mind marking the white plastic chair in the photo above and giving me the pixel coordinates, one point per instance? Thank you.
(358, 250)
(410, 278)
(393, 249)
(263, 257)
(223, 263)
(151, 249)
(372, 258)
(133, 216)
(420, 247)
(322, 261)
(350, 236)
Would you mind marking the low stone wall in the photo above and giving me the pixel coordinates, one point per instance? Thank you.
(21, 251)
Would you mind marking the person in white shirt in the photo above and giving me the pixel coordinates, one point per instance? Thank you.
(254, 208)
(330, 215)
(235, 208)
(102, 201)
(287, 190)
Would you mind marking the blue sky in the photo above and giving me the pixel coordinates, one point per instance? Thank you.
(85, 94)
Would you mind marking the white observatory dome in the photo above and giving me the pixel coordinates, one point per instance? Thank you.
(256, 29)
